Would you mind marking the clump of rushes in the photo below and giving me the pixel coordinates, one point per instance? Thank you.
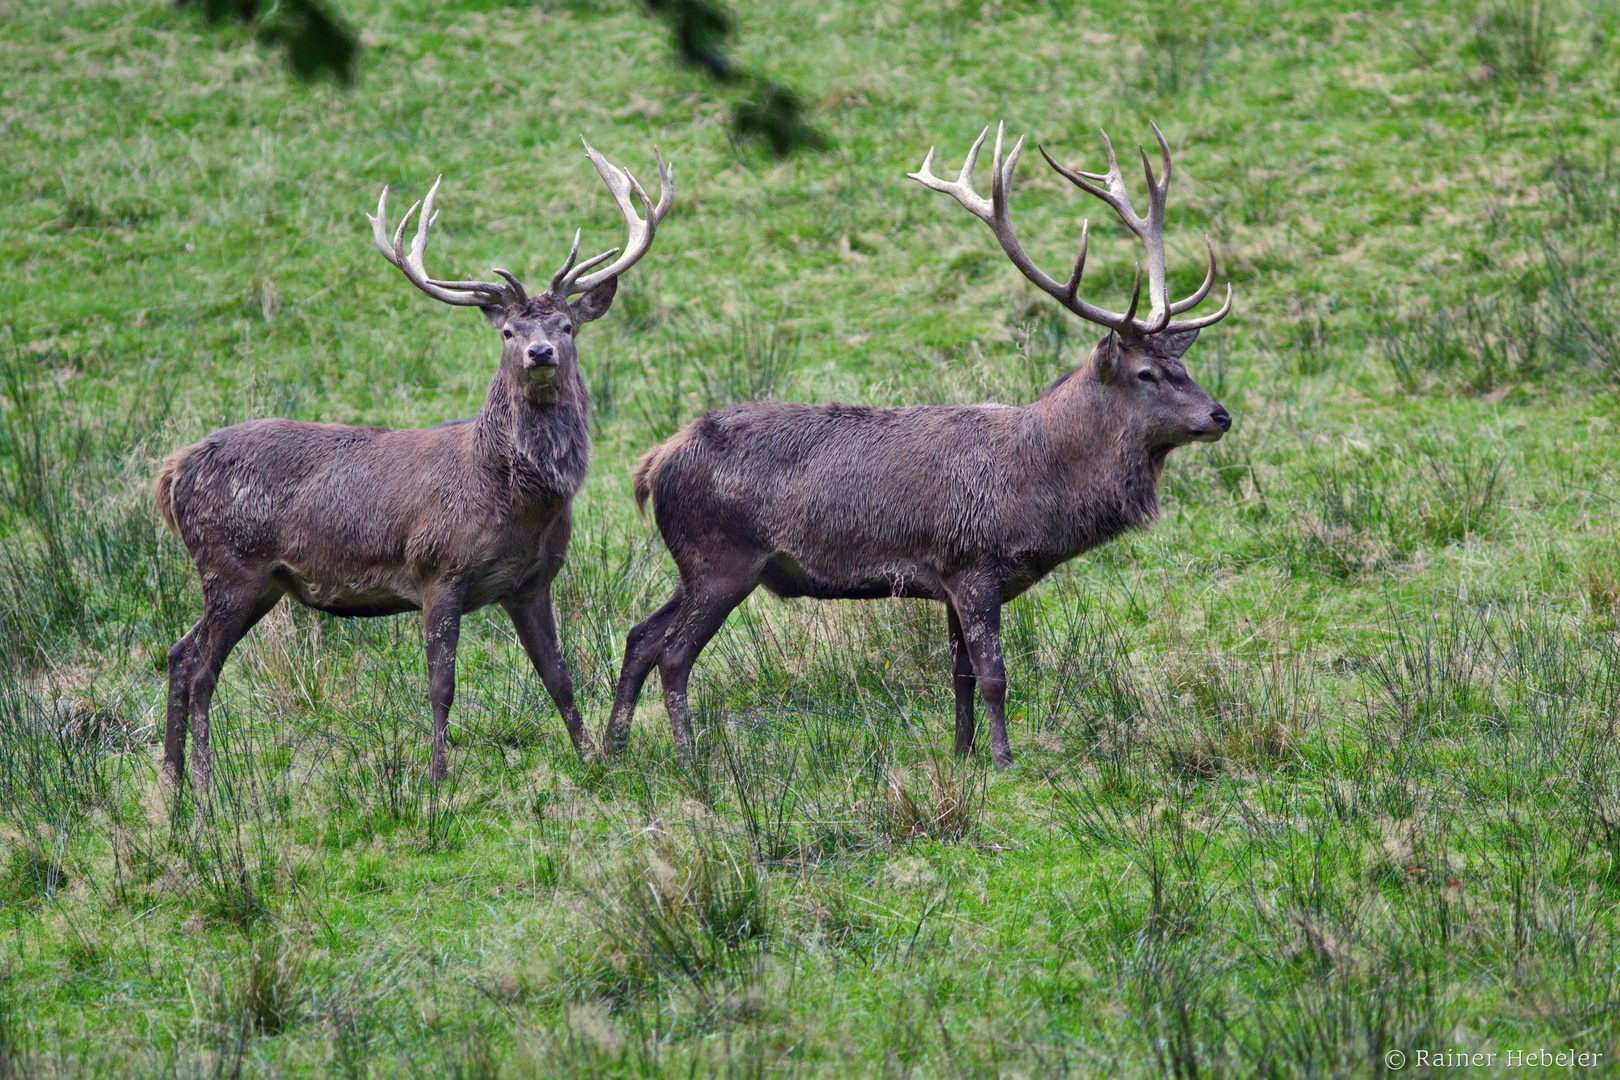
(691, 910)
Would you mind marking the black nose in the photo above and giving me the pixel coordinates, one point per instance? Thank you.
(1222, 418)
(542, 356)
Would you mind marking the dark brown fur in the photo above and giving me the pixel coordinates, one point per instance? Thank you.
(966, 505)
(365, 521)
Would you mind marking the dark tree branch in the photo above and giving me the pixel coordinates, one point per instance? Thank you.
(766, 111)
(318, 45)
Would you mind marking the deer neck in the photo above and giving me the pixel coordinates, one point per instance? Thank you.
(1103, 463)
(536, 445)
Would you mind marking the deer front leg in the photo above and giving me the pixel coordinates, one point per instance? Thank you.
(979, 607)
(537, 630)
(441, 631)
(962, 682)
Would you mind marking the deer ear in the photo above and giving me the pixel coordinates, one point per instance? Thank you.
(1177, 344)
(596, 301)
(1105, 357)
(495, 314)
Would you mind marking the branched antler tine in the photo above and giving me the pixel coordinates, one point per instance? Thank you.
(1152, 234)
(379, 226)
(1073, 287)
(635, 185)
(924, 174)
(965, 177)
(995, 213)
(398, 251)
(1206, 320)
(568, 264)
(596, 260)
(1198, 294)
(639, 231)
(483, 292)
(424, 225)
(1001, 181)
(1155, 196)
(409, 260)
(1115, 179)
(1136, 296)
(515, 285)
(666, 186)
(1114, 198)
(1164, 157)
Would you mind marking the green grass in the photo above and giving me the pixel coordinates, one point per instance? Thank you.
(1322, 767)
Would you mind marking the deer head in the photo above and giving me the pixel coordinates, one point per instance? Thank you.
(537, 333)
(1138, 362)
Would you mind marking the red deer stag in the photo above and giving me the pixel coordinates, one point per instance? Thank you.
(368, 521)
(966, 505)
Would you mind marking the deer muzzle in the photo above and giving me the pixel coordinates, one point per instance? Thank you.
(540, 362)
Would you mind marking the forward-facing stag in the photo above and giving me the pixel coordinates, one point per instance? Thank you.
(368, 521)
(966, 505)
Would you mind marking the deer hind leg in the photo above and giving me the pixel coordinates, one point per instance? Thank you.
(979, 608)
(701, 617)
(537, 630)
(642, 648)
(963, 682)
(441, 632)
(232, 603)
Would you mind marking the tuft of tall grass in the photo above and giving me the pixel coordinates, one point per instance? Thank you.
(1485, 341)
(16, 1058)
(1439, 680)
(84, 558)
(1369, 514)
(695, 912)
(1514, 41)
(944, 803)
(264, 993)
(29, 876)
(1216, 714)
(1543, 309)
(50, 779)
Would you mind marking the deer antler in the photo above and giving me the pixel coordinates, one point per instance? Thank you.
(994, 213)
(639, 231)
(409, 262)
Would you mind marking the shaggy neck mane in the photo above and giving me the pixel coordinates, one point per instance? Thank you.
(1112, 473)
(539, 449)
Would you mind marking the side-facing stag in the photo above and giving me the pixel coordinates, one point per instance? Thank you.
(368, 521)
(966, 505)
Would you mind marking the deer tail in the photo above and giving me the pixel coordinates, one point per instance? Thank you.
(163, 490)
(652, 463)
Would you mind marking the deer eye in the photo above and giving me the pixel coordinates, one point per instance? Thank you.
(507, 333)
(568, 328)
(1147, 376)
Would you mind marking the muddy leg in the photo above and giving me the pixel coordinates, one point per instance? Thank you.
(701, 617)
(537, 630)
(641, 649)
(979, 607)
(441, 632)
(963, 682)
(230, 609)
(181, 660)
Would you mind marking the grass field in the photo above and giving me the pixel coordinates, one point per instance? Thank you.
(1322, 768)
